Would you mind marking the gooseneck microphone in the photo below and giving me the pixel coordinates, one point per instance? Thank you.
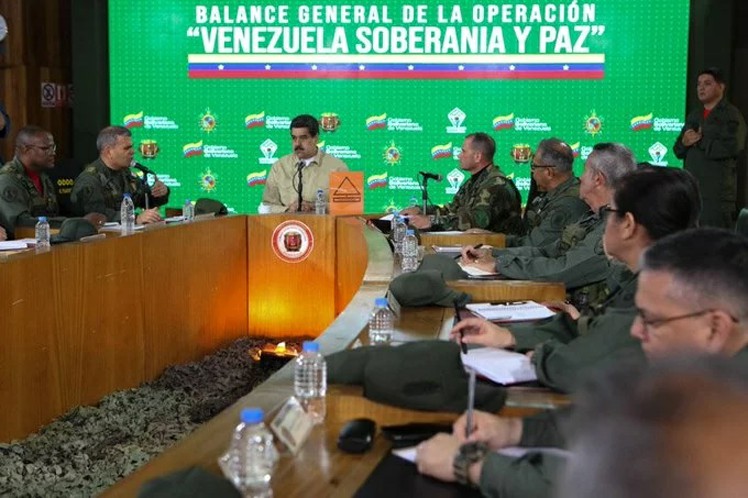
(431, 176)
(300, 167)
(146, 171)
(140, 167)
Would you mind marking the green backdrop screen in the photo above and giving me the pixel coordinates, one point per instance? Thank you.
(209, 90)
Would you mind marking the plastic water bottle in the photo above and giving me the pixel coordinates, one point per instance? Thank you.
(188, 211)
(251, 457)
(398, 233)
(42, 233)
(320, 207)
(413, 202)
(310, 381)
(410, 252)
(127, 215)
(381, 323)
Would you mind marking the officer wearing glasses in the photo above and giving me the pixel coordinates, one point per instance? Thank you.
(26, 190)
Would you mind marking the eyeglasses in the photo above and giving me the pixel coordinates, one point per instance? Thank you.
(47, 148)
(650, 323)
(608, 209)
(538, 166)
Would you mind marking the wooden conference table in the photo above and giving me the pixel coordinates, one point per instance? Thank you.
(320, 469)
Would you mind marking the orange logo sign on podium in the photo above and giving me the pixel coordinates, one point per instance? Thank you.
(347, 192)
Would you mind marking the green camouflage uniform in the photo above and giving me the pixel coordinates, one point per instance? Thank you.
(21, 203)
(488, 200)
(577, 259)
(548, 213)
(713, 160)
(99, 189)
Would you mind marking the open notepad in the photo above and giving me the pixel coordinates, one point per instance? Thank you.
(510, 312)
(409, 453)
(476, 272)
(500, 365)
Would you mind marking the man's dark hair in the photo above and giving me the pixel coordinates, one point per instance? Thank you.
(612, 160)
(483, 143)
(306, 121)
(662, 200)
(108, 136)
(556, 153)
(629, 428)
(709, 266)
(27, 134)
(715, 73)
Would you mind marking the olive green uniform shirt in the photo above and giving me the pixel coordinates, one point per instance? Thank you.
(99, 189)
(21, 203)
(713, 160)
(548, 213)
(488, 200)
(535, 474)
(577, 259)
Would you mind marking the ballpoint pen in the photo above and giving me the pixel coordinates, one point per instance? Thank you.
(471, 403)
(476, 247)
(463, 346)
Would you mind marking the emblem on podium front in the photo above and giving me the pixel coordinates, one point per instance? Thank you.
(292, 241)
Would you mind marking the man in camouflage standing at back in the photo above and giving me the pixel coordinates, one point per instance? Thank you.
(488, 200)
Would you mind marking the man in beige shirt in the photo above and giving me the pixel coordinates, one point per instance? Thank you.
(295, 178)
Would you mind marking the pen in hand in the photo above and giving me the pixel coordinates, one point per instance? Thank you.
(476, 247)
(471, 404)
(463, 346)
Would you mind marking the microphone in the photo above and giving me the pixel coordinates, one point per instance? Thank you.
(431, 176)
(144, 169)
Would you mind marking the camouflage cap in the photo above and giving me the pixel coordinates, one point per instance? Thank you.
(445, 264)
(207, 206)
(425, 288)
(422, 375)
(193, 482)
(73, 229)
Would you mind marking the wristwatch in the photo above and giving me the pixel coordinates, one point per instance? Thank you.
(469, 454)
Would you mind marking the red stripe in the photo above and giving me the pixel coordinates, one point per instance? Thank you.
(410, 75)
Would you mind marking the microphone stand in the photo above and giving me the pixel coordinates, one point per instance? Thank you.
(425, 194)
(300, 166)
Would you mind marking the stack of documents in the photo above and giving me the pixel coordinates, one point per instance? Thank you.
(510, 312)
(16, 245)
(500, 365)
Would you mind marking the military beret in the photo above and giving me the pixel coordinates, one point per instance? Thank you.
(73, 229)
(207, 206)
(424, 288)
(193, 482)
(421, 375)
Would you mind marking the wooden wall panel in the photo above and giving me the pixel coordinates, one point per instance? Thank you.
(351, 260)
(290, 299)
(195, 289)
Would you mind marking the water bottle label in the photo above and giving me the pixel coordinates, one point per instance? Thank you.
(292, 425)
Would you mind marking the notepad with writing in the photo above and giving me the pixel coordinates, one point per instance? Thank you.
(511, 312)
(500, 365)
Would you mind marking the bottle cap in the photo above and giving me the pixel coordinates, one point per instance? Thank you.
(187, 201)
(43, 218)
(126, 194)
(410, 231)
(380, 302)
(311, 346)
(252, 415)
